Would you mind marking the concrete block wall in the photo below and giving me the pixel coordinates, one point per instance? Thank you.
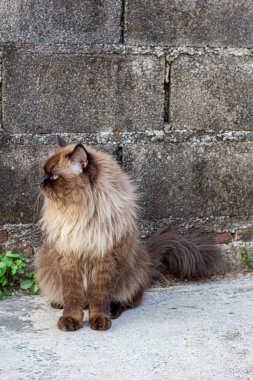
(166, 86)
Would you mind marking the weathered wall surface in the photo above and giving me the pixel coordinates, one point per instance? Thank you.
(165, 86)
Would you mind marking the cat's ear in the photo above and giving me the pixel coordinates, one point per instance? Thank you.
(61, 142)
(79, 156)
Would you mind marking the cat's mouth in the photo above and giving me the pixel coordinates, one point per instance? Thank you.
(48, 190)
(45, 186)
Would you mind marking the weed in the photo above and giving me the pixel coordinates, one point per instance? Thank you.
(246, 256)
(13, 274)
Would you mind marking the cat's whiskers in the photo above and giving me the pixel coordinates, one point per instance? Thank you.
(39, 196)
(56, 196)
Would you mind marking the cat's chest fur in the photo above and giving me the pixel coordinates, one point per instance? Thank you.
(71, 234)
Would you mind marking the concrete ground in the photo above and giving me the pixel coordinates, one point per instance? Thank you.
(193, 331)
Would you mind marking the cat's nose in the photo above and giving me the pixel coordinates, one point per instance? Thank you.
(45, 181)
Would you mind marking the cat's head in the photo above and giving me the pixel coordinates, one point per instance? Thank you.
(69, 170)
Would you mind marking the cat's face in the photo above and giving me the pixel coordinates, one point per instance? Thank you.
(66, 174)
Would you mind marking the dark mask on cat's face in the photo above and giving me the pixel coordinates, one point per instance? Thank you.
(66, 172)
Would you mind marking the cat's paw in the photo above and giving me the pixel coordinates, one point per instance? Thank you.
(100, 322)
(69, 324)
(55, 305)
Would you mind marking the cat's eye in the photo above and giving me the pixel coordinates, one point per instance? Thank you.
(54, 177)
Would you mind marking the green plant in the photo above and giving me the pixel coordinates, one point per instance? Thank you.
(13, 274)
(246, 256)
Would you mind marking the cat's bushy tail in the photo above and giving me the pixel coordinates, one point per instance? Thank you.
(185, 256)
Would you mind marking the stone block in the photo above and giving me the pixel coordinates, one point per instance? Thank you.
(244, 234)
(21, 173)
(60, 21)
(192, 180)
(223, 238)
(24, 238)
(44, 93)
(211, 92)
(20, 177)
(189, 23)
(3, 236)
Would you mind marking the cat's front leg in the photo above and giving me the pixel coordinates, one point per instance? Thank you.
(73, 294)
(101, 295)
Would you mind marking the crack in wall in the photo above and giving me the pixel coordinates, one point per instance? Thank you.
(167, 85)
(122, 22)
(119, 155)
(155, 136)
(170, 52)
(2, 130)
(1, 93)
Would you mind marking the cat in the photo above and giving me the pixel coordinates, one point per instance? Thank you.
(92, 256)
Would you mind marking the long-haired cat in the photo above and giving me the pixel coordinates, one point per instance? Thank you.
(92, 255)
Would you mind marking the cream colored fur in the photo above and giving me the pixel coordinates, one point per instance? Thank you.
(98, 218)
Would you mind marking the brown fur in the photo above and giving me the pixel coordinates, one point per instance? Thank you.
(92, 256)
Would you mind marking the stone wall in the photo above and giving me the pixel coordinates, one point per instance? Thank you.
(165, 86)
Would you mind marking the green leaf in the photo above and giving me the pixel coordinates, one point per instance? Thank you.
(7, 292)
(2, 269)
(26, 284)
(4, 281)
(14, 269)
(20, 263)
(21, 256)
(7, 260)
(16, 255)
(30, 274)
(35, 288)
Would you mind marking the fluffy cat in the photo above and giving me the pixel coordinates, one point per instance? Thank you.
(92, 255)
